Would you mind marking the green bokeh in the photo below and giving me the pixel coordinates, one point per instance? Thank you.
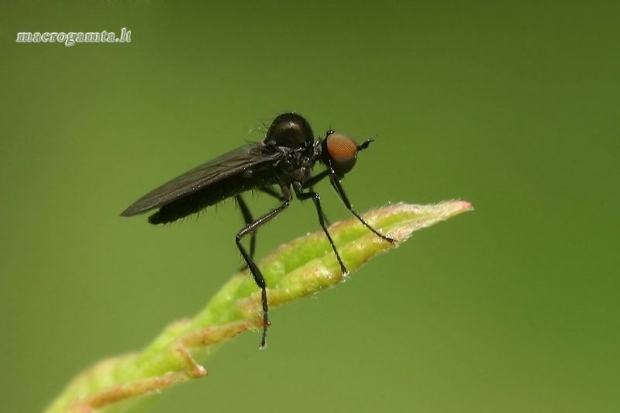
(512, 106)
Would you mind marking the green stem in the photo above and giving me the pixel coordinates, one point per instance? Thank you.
(294, 270)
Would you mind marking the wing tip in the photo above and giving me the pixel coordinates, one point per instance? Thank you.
(129, 212)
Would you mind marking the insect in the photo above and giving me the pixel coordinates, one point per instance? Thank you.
(281, 165)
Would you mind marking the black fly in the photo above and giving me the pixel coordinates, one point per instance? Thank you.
(284, 160)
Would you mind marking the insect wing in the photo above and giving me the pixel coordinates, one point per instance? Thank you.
(224, 166)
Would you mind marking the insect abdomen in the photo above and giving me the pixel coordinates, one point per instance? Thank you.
(210, 195)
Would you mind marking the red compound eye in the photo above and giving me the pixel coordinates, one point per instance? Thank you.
(341, 152)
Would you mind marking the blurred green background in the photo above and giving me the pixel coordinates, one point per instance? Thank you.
(513, 106)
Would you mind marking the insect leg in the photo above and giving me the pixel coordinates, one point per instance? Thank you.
(325, 219)
(270, 191)
(256, 273)
(317, 203)
(340, 191)
(315, 179)
(248, 219)
(309, 184)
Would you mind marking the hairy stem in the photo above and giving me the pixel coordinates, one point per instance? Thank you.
(294, 270)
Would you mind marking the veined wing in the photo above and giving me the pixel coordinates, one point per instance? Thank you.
(229, 164)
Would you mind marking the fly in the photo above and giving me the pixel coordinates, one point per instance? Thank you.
(284, 160)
